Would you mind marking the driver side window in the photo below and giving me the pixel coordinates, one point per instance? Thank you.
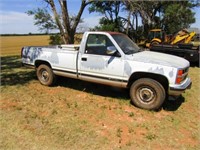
(97, 44)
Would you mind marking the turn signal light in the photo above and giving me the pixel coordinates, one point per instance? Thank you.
(178, 80)
(180, 72)
(179, 77)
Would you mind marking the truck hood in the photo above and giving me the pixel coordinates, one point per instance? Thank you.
(159, 59)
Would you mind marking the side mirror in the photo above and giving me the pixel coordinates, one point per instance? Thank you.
(111, 50)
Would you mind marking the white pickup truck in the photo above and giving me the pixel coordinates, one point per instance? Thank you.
(113, 59)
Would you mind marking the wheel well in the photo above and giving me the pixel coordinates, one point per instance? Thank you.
(160, 78)
(40, 62)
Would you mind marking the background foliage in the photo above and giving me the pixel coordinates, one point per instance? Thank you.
(121, 16)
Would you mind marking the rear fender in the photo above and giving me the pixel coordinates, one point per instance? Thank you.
(40, 62)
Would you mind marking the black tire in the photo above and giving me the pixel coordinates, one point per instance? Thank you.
(45, 75)
(147, 94)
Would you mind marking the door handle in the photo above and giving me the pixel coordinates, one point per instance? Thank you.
(84, 59)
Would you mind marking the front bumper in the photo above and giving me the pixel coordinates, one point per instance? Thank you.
(176, 90)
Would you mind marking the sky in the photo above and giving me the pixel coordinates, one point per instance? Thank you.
(14, 20)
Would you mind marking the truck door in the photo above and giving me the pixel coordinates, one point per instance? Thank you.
(96, 64)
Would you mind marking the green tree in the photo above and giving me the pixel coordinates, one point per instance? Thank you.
(169, 15)
(110, 9)
(130, 22)
(67, 25)
(43, 19)
(147, 11)
(56, 39)
(178, 15)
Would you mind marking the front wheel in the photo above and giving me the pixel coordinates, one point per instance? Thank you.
(45, 75)
(147, 94)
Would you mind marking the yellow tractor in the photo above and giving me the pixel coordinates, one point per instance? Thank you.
(158, 36)
(183, 44)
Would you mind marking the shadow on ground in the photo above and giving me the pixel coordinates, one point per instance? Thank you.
(172, 104)
(195, 64)
(12, 72)
(96, 89)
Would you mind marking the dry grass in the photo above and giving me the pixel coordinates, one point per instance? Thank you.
(80, 115)
(11, 45)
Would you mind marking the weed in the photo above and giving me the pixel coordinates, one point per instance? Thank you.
(68, 105)
(45, 121)
(174, 121)
(120, 107)
(130, 130)
(119, 132)
(54, 112)
(120, 140)
(195, 136)
(150, 136)
(104, 107)
(18, 108)
(84, 122)
(33, 116)
(129, 143)
(75, 104)
(131, 114)
(145, 125)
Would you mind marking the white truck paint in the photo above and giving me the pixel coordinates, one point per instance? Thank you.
(113, 59)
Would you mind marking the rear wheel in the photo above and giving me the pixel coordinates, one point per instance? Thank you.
(45, 75)
(147, 94)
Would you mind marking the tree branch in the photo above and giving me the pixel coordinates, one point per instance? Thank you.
(65, 15)
(78, 17)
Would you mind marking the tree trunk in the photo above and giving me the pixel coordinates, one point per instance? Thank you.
(136, 27)
(56, 16)
(128, 23)
(66, 22)
(136, 22)
(67, 30)
(70, 29)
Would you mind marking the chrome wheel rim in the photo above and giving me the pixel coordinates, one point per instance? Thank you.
(44, 75)
(146, 94)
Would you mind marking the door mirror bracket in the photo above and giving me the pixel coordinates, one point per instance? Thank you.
(111, 50)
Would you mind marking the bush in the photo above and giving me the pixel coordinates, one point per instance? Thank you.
(56, 39)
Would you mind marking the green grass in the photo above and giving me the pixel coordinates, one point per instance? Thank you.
(81, 115)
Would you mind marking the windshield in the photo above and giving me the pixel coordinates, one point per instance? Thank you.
(126, 44)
